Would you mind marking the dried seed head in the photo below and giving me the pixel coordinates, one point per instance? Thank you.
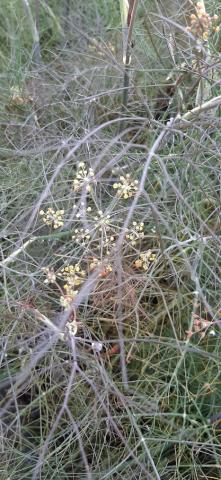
(145, 260)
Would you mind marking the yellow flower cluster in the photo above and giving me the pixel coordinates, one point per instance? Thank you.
(145, 259)
(84, 176)
(67, 299)
(126, 188)
(81, 236)
(201, 23)
(74, 276)
(52, 218)
(102, 220)
(135, 233)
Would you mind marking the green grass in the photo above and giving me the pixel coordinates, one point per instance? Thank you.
(113, 387)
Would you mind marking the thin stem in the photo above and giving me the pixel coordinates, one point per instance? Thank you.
(34, 29)
(127, 36)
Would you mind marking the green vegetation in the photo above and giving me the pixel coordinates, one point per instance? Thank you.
(110, 240)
